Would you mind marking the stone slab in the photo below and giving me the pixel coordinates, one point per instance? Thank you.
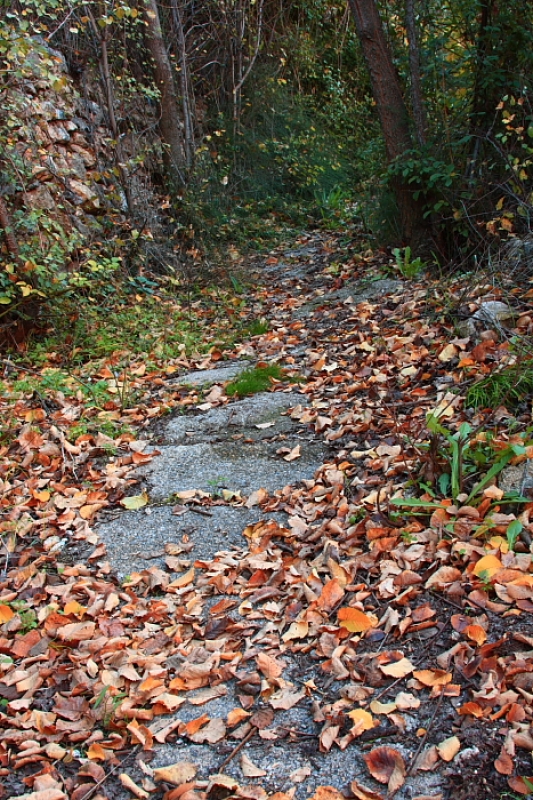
(240, 417)
(208, 377)
(238, 466)
(135, 540)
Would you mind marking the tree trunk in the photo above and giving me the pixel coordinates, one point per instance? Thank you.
(186, 91)
(169, 121)
(11, 242)
(417, 99)
(392, 113)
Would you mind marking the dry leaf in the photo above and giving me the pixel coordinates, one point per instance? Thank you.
(363, 720)
(134, 502)
(398, 669)
(249, 769)
(362, 793)
(178, 773)
(354, 620)
(449, 748)
(386, 765)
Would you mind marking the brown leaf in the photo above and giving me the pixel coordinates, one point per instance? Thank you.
(398, 669)
(178, 773)
(332, 593)
(504, 763)
(268, 666)
(362, 793)
(262, 718)
(386, 765)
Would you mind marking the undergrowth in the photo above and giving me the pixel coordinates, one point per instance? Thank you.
(255, 380)
(509, 386)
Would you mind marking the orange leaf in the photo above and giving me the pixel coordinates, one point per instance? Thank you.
(6, 613)
(195, 724)
(354, 620)
(363, 720)
(433, 677)
(476, 633)
(332, 593)
(327, 793)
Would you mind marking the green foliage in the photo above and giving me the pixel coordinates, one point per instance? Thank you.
(462, 463)
(509, 386)
(407, 266)
(254, 380)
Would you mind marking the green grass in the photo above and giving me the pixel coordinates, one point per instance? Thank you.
(255, 380)
(509, 386)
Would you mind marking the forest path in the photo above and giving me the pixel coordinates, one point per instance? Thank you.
(277, 627)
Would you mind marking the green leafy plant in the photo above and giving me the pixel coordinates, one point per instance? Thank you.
(462, 463)
(255, 380)
(408, 267)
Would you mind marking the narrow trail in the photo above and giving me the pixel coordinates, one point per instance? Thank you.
(278, 628)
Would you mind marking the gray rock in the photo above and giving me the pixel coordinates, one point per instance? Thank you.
(207, 377)
(135, 540)
(236, 466)
(517, 478)
(241, 417)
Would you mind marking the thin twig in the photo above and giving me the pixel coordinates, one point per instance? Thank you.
(425, 736)
(236, 749)
(110, 773)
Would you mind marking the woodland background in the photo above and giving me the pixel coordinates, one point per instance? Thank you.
(150, 138)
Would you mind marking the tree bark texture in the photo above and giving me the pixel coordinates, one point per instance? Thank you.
(393, 115)
(11, 242)
(417, 98)
(169, 121)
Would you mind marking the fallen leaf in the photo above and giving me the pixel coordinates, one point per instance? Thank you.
(362, 720)
(6, 613)
(354, 620)
(135, 501)
(398, 669)
(433, 677)
(249, 769)
(294, 454)
(178, 773)
(487, 566)
(449, 748)
(363, 793)
(386, 765)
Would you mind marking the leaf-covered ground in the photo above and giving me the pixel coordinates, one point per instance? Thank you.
(394, 605)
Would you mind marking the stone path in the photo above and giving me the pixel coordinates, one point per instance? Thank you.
(238, 448)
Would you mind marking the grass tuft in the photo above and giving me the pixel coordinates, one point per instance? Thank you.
(509, 386)
(255, 380)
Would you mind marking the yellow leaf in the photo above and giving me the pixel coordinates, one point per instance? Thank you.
(354, 620)
(135, 502)
(487, 565)
(449, 748)
(362, 719)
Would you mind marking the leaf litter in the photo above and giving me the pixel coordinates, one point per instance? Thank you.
(395, 636)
